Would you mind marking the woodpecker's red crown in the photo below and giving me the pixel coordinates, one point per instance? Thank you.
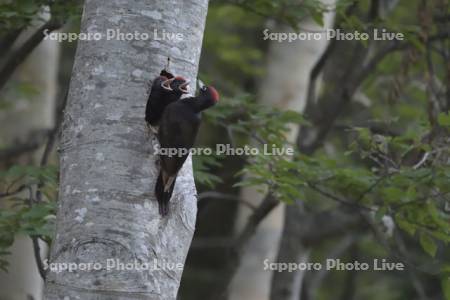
(180, 78)
(214, 93)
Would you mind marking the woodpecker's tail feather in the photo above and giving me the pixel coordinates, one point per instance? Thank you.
(163, 193)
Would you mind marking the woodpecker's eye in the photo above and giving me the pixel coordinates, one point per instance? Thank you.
(204, 88)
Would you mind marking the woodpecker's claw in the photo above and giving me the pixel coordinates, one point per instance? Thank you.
(152, 129)
(149, 86)
(148, 130)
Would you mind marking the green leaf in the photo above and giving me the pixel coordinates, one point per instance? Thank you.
(444, 119)
(428, 244)
(393, 194)
(318, 18)
(405, 225)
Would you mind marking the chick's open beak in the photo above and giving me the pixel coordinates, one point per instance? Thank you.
(166, 84)
(184, 87)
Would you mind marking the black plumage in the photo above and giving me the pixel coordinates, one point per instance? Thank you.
(165, 89)
(178, 130)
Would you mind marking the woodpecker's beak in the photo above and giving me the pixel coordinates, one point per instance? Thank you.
(200, 83)
(166, 84)
(184, 87)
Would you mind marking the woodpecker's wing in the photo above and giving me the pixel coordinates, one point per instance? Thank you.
(178, 130)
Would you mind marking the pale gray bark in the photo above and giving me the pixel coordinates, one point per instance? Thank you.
(107, 209)
(288, 285)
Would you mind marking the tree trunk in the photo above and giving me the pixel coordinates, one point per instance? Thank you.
(285, 92)
(288, 285)
(107, 209)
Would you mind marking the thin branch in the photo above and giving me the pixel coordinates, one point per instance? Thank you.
(372, 64)
(37, 256)
(422, 161)
(269, 203)
(18, 56)
(317, 69)
(15, 192)
(339, 200)
(370, 189)
(344, 95)
(35, 240)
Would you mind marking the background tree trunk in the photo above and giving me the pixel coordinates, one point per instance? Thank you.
(28, 116)
(285, 87)
(106, 208)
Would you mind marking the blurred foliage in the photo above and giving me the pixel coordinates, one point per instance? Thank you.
(415, 196)
(290, 12)
(202, 165)
(231, 48)
(18, 90)
(27, 213)
(18, 14)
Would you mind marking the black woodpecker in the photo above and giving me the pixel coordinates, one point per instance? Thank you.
(177, 130)
(165, 89)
